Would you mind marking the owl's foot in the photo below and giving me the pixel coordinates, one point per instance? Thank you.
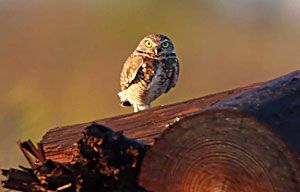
(140, 107)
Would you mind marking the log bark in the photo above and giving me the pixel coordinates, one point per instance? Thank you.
(144, 126)
(276, 103)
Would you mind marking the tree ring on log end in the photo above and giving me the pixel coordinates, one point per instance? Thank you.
(220, 151)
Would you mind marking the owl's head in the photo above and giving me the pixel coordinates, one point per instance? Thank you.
(156, 45)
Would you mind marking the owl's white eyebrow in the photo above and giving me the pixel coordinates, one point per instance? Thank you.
(149, 40)
(166, 40)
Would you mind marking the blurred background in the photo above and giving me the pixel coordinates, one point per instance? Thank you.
(60, 60)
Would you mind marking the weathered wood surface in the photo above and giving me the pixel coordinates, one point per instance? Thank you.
(107, 161)
(144, 126)
(220, 150)
(275, 102)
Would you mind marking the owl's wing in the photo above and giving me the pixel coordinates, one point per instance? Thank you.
(130, 70)
(137, 69)
(174, 75)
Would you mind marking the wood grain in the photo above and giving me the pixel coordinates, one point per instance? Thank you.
(222, 151)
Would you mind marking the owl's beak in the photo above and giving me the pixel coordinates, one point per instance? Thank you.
(157, 51)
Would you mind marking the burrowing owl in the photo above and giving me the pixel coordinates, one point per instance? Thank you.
(151, 70)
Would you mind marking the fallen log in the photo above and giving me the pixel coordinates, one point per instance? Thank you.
(219, 150)
(266, 111)
(276, 102)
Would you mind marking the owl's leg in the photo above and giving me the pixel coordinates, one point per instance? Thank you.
(135, 107)
(140, 107)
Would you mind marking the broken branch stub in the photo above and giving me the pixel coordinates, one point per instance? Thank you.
(107, 161)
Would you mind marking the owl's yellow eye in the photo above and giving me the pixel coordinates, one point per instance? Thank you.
(165, 44)
(148, 43)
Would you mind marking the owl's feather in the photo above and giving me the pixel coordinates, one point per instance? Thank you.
(130, 70)
(174, 76)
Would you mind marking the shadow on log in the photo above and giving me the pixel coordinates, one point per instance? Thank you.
(254, 148)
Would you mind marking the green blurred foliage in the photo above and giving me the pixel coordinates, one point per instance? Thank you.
(60, 60)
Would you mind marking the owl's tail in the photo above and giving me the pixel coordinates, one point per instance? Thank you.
(123, 100)
(125, 104)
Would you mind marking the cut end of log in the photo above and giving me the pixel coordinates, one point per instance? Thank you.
(220, 151)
